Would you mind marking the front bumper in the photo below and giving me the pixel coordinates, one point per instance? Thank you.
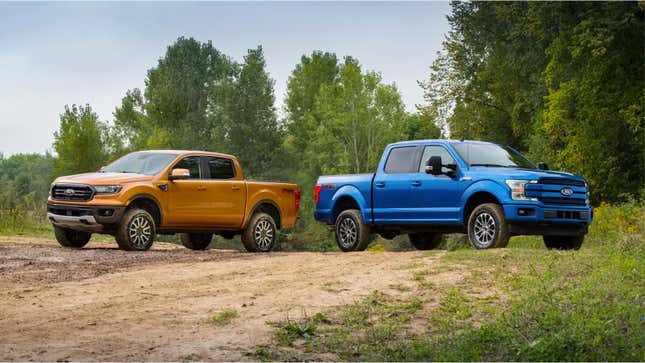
(84, 217)
(536, 219)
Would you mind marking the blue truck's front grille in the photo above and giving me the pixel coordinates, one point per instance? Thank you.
(562, 201)
(561, 181)
(559, 191)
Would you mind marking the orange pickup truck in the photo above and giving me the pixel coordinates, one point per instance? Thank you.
(194, 193)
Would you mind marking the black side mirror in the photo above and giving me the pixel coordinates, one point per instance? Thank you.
(433, 165)
(543, 166)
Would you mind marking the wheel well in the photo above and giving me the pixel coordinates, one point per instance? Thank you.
(150, 206)
(342, 204)
(271, 210)
(477, 199)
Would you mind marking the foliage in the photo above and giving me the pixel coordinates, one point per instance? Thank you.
(80, 141)
(561, 81)
(520, 304)
(249, 127)
(224, 317)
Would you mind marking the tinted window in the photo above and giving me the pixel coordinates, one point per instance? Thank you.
(492, 155)
(192, 164)
(221, 168)
(402, 160)
(430, 151)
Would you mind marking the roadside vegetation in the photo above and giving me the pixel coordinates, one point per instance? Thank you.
(524, 303)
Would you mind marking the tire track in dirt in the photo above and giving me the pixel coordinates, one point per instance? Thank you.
(156, 307)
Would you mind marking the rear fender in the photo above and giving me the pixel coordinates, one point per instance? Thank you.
(353, 192)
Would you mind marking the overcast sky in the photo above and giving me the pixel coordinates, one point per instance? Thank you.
(52, 54)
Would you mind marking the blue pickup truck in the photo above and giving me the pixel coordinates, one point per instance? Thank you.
(432, 187)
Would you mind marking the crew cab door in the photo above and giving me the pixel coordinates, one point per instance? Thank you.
(225, 193)
(392, 195)
(187, 202)
(437, 198)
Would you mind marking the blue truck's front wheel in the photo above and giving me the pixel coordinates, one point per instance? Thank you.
(351, 233)
(487, 227)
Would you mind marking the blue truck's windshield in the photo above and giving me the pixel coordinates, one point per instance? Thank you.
(491, 155)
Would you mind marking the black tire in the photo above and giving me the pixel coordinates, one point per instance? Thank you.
(260, 234)
(487, 227)
(70, 238)
(425, 241)
(351, 233)
(563, 242)
(136, 231)
(196, 241)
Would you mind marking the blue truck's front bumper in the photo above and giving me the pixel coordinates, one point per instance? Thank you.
(527, 219)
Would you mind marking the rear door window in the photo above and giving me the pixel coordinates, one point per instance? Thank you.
(221, 168)
(402, 160)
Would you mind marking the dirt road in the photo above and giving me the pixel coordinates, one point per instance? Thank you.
(100, 303)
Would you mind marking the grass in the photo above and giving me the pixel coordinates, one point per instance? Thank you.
(224, 317)
(523, 303)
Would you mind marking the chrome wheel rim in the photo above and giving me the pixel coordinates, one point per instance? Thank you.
(140, 232)
(347, 233)
(484, 229)
(264, 234)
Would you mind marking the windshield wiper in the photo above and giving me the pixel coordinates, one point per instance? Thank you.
(494, 165)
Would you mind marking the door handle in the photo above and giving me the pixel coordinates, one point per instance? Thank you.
(201, 189)
(379, 184)
(235, 187)
(416, 183)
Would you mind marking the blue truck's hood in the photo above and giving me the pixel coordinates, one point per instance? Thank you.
(513, 173)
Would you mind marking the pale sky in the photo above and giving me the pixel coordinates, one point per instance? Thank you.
(53, 54)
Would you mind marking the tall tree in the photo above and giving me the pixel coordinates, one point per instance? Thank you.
(79, 142)
(562, 81)
(249, 126)
(304, 85)
(173, 111)
(359, 116)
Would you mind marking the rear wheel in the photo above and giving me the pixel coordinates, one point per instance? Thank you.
(70, 238)
(425, 241)
(351, 233)
(137, 230)
(261, 233)
(487, 227)
(196, 241)
(563, 242)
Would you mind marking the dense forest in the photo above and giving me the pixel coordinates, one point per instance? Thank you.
(561, 81)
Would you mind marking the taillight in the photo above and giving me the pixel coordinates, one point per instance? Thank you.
(317, 193)
(296, 195)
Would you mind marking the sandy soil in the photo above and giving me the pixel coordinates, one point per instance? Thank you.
(100, 303)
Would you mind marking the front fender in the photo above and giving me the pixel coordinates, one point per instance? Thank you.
(354, 193)
(500, 192)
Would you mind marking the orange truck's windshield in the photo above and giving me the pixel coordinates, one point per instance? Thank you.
(141, 163)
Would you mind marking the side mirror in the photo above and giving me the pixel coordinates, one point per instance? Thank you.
(178, 174)
(433, 165)
(543, 166)
(102, 168)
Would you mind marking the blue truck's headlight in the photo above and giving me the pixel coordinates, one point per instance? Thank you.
(517, 189)
(588, 195)
(107, 189)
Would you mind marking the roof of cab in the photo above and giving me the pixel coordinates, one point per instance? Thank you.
(183, 152)
(439, 141)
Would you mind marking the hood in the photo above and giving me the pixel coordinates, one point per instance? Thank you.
(103, 178)
(533, 174)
